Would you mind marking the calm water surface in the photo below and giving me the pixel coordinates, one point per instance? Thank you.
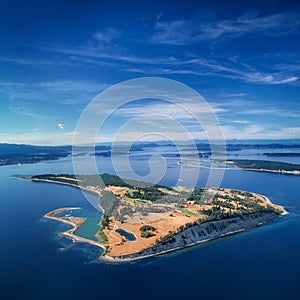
(36, 264)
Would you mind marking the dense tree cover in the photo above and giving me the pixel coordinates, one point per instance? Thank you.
(52, 176)
(152, 193)
(201, 195)
(147, 234)
(226, 204)
(107, 180)
(57, 178)
(218, 213)
(147, 231)
(104, 222)
(147, 227)
(264, 164)
(196, 194)
(102, 237)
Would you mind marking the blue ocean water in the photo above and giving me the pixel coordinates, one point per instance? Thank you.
(37, 264)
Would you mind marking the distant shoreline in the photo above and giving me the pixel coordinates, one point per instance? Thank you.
(236, 168)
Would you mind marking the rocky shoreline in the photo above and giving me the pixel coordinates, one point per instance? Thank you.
(199, 233)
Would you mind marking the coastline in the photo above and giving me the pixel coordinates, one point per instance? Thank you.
(98, 192)
(282, 172)
(109, 259)
(70, 233)
(76, 222)
(284, 211)
(86, 189)
(140, 256)
(64, 183)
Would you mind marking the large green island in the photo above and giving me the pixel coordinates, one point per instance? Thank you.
(140, 220)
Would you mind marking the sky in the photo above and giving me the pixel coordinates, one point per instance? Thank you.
(57, 56)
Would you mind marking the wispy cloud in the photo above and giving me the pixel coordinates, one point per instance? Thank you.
(241, 121)
(106, 36)
(33, 62)
(169, 109)
(256, 131)
(87, 51)
(188, 31)
(268, 78)
(251, 131)
(183, 63)
(26, 112)
(212, 67)
(273, 111)
(67, 92)
(38, 137)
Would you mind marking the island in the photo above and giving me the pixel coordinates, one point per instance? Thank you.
(248, 165)
(282, 154)
(266, 166)
(141, 219)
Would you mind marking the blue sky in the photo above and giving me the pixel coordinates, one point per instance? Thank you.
(56, 56)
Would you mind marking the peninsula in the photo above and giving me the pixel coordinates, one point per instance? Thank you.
(249, 165)
(141, 219)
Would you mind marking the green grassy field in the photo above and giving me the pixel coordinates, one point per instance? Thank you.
(188, 212)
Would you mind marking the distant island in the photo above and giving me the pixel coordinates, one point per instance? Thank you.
(18, 154)
(141, 219)
(250, 165)
(282, 154)
(14, 154)
(267, 166)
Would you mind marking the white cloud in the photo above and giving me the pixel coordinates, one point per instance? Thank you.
(233, 68)
(188, 31)
(61, 126)
(269, 78)
(226, 69)
(240, 121)
(286, 80)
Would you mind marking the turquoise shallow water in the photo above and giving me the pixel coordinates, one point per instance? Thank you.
(90, 227)
(37, 264)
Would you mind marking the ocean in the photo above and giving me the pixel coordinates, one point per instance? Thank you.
(35, 263)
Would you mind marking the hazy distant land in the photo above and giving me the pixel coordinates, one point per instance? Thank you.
(24, 154)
